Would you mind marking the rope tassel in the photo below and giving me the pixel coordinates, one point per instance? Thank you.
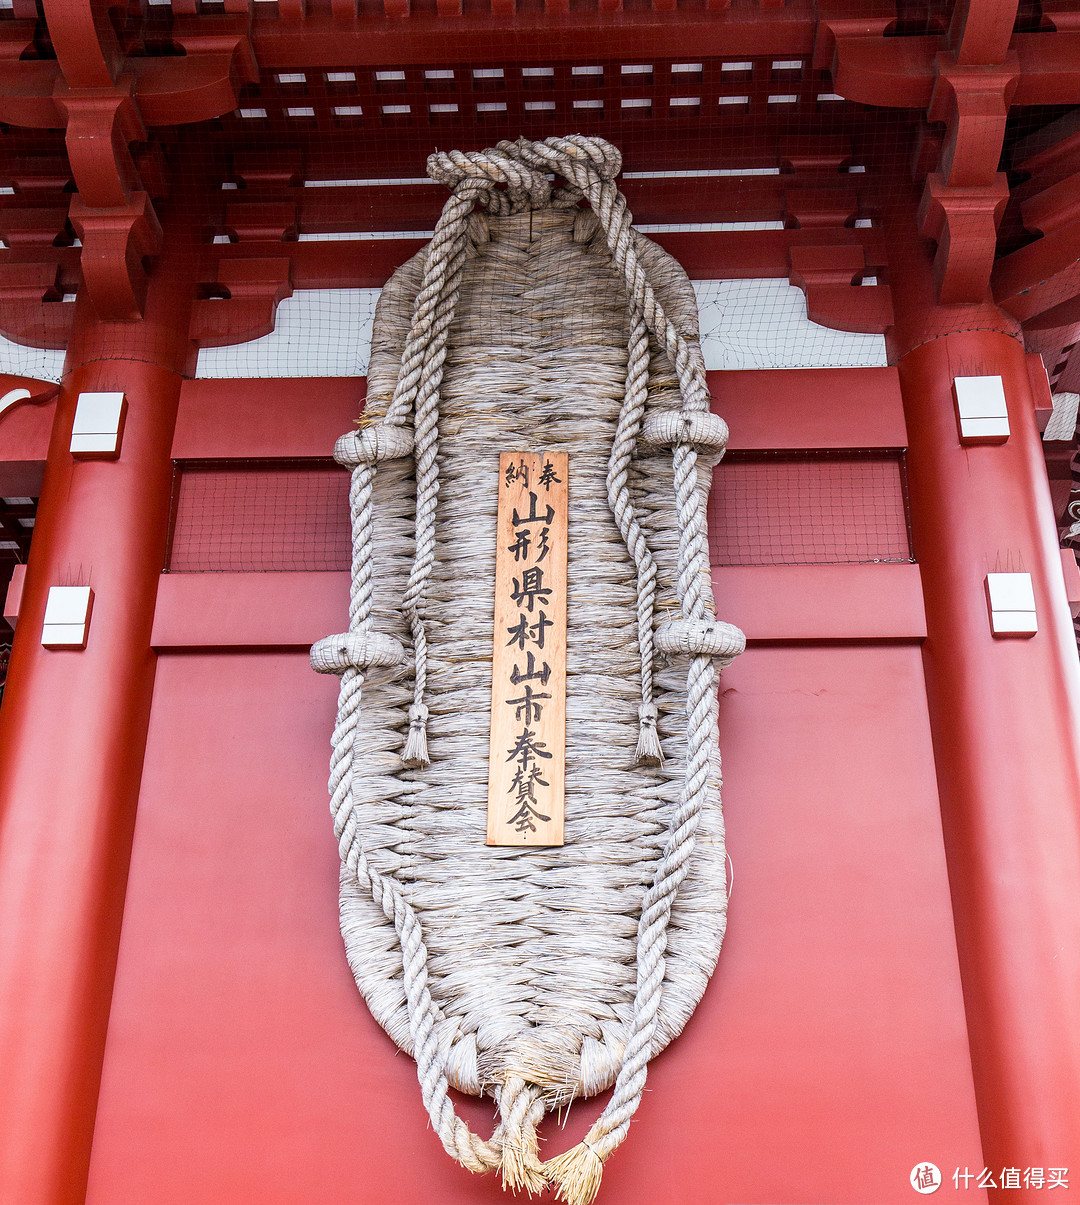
(416, 751)
(649, 751)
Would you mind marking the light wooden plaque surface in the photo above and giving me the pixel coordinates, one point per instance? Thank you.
(527, 758)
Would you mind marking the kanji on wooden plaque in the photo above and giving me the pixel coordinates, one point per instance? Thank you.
(527, 761)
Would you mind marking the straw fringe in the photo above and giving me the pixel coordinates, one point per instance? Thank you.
(576, 1174)
(521, 1109)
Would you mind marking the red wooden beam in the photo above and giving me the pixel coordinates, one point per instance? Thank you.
(322, 40)
(980, 30)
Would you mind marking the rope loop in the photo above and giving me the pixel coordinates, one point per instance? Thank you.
(705, 432)
(355, 650)
(700, 638)
(374, 444)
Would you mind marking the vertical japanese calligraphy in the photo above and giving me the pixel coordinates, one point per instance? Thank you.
(527, 760)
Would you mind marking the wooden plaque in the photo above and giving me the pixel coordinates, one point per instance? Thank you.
(527, 758)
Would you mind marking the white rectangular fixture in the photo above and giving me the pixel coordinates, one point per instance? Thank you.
(981, 412)
(99, 425)
(1011, 601)
(67, 617)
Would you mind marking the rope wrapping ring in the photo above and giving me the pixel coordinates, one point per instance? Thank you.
(515, 181)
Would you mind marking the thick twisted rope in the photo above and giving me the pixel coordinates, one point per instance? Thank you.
(459, 1141)
(591, 165)
(473, 177)
(416, 395)
(508, 179)
(649, 751)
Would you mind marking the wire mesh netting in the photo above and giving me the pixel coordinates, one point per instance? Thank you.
(317, 333)
(763, 324)
(758, 323)
(41, 363)
(823, 507)
(808, 508)
(259, 517)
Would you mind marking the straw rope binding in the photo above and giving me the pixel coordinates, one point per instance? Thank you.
(532, 976)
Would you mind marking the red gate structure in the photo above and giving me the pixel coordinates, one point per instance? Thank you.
(879, 203)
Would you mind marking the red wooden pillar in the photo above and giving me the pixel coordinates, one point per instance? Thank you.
(1004, 715)
(72, 731)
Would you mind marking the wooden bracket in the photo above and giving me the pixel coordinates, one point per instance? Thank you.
(115, 242)
(253, 288)
(830, 280)
(964, 223)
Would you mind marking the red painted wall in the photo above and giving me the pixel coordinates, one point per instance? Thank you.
(830, 1052)
(828, 1056)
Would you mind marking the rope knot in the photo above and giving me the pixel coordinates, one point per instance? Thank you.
(379, 442)
(500, 180)
(355, 650)
(605, 158)
(701, 638)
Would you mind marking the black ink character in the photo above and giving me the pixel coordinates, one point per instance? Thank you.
(531, 588)
(528, 710)
(524, 784)
(547, 476)
(543, 673)
(520, 546)
(527, 748)
(532, 516)
(518, 472)
(523, 630)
